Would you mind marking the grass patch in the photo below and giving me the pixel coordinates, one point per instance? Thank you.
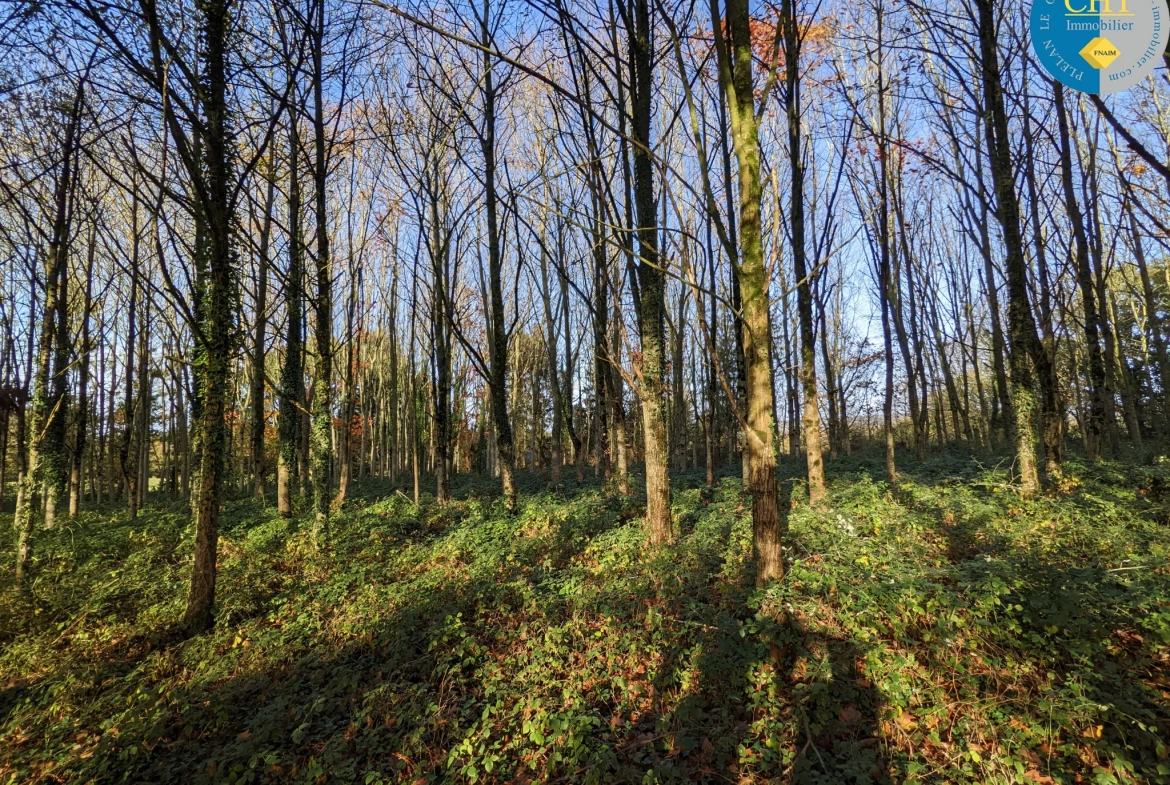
(937, 631)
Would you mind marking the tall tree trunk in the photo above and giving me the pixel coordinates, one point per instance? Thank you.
(918, 367)
(411, 411)
(736, 72)
(958, 410)
(733, 260)
(601, 359)
(47, 445)
(7, 407)
(804, 305)
(556, 390)
(678, 405)
(142, 410)
(257, 384)
(834, 414)
(900, 262)
(392, 455)
(102, 475)
(441, 349)
(127, 450)
(1025, 350)
(1094, 423)
(1001, 401)
(79, 439)
(616, 400)
(292, 376)
(320, 443)
(1125, 378)
(218, 328)
(349, 403)
(497, 327)
(32, 431)
(712, 380)
(53, 445)
(1157, 337)
(651, 286)
(23, 495)
(1052, 406)
(567, 382)
(1113, 383)
(884, 264)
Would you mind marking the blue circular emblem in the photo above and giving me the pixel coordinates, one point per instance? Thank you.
(1099, 46)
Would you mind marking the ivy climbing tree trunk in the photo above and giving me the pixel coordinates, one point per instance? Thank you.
(1026, 350)
(44, 409)
(292, 377)
(320, 441)
(218, 316)
(55, 457)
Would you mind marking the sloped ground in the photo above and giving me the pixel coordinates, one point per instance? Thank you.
(939, 631)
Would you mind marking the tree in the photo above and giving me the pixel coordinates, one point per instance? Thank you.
(651, 288)
(790, 23)
(48, 404)
(735, 67)
(1026, 351)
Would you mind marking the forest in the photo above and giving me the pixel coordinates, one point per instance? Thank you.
(578, 391)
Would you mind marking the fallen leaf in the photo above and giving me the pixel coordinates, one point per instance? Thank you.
(849, 714)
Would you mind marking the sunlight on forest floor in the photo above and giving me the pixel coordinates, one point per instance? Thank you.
(939, 631)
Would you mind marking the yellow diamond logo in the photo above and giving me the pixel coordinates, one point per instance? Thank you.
(1100, 52)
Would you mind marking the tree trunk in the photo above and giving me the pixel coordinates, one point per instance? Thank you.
(712, 381)
(79, 440)
(292, 376)
(884, 265)
(1001, 401)
(257, 384)
(1094, 423)
(441, 348)
(349, 403)
(651, 286)
(1052, 406)
(218, 328)
(1157, 337)
(733, 260)
(678, 406)
(1025, 342)
(50, 405)
(759, 442)
(28, 449)
(320, 444)
(497, 328)
(142, 410)
(804, 306)
(556, 391)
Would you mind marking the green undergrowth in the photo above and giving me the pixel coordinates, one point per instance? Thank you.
(939, 630)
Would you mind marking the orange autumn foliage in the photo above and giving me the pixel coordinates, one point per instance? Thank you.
(816, 39)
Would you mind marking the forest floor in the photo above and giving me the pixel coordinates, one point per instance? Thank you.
(937, 631)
